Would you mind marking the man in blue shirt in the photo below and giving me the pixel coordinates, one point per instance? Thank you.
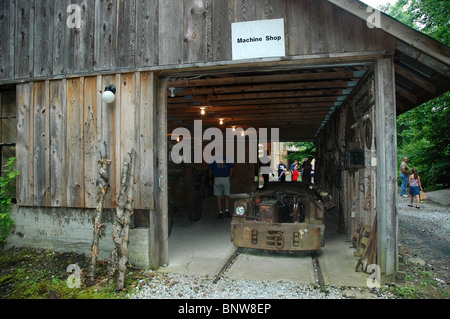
(293, 166)
(281, 171)
(221, 173)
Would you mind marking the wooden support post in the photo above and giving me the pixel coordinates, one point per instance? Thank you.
(159, 234)
(386, 144)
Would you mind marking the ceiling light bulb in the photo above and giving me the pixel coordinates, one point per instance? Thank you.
(234, 128)
(221, 122)
(202, 112)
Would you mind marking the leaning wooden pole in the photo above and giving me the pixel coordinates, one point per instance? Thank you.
(103, 185)
(121, 229)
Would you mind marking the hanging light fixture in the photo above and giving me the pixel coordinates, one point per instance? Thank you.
(221, 121)
(202, 112)
(109, 94)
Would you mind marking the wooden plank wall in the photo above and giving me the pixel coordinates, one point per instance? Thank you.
(354, 191)
(117, 35)
(59, 126)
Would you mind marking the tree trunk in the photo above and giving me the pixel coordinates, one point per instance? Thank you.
(119, 256)
(103, 185)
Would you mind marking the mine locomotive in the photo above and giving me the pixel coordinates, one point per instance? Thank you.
(284, 216)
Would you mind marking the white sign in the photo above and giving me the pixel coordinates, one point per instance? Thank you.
(258, 39)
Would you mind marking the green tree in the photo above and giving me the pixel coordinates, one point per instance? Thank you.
(424, 137)
(424, 132)
(431, 17)
(400, 11)
(305, 149)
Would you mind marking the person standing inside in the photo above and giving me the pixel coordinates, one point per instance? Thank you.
(306, 169)
(264, 168)
(293, 166)
(220, 173)
(404, 175)
(295, 174)
(415, 186)
(281, 172)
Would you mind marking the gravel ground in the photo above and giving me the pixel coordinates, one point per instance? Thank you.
(422, 231)
(175, 286)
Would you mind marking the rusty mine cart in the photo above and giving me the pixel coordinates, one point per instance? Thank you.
(283, 216)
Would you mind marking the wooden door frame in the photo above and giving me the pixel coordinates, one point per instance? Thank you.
(158, 234)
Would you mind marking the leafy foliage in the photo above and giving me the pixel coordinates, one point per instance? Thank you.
(424, 132)
(424, 137)
(305, 149)
(7, 192)
(428, 16)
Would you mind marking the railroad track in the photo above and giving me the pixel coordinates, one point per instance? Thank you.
(317, 271)
(227, 265)
(319, 281)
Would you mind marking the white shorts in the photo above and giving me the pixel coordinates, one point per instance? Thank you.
(222, 186)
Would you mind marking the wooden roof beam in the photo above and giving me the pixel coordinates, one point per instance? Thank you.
(415, 79)
(245, 111)
(235, 80)
(194, 92)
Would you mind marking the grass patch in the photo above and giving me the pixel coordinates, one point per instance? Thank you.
(419, 283)
(40, 274)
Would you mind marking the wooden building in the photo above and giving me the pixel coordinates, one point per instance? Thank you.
(346, 73)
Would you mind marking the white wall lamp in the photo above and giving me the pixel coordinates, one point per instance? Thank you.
(109, 94)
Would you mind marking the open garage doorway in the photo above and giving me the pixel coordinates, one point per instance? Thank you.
(297, 101)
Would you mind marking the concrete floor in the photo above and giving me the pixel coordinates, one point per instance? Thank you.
(204, 247)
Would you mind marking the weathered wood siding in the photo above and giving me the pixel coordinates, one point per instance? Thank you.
(117, 35)
(60, 124)
(354, 190)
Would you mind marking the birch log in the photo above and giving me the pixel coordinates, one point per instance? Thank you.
(119, 256)
(103, 185)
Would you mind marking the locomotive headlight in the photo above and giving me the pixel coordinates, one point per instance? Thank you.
(240, 210)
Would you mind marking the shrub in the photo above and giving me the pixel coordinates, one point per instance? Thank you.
(7, 193)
